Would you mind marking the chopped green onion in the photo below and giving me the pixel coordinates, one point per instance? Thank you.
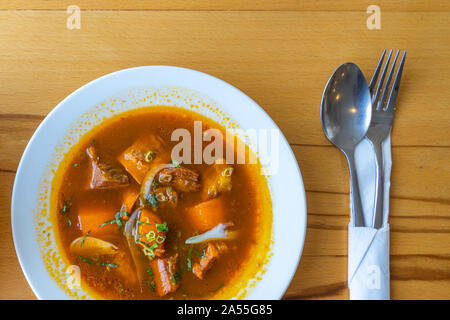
(160, 239)
(66, 206)
(151, 284)
(220, 286)
(164, 177)
(149, 253)
(176, 276)
(189, 259)
(143, 222)
(87, 260)
(144, 243)
(227, 172)
(152, 199)
(150, 236)
(116, 219)
(160, 197)
(82, 240)
(118, 215)
(112, 221)
(149, 156)
(108, 264)
(69, 222)
(162, 227)
(175, 163)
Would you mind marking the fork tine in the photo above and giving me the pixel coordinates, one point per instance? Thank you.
(373, 81)
(394, 90)
(380, 83)
(388, 81)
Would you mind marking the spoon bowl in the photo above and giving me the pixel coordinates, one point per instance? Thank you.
(346, 112)
(346, 107)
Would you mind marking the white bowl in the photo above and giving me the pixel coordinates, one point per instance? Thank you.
(124, 90)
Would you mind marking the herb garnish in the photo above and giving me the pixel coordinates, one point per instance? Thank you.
(108, 264)
(65, 210)
(149, 156)
(153, 201)
(177, 275)
(189, 259)
(220, 286)
(150, 283)
(169, 191)
(116, 219)
(199, 253)
(82, 239)
(66, 206)
(143, 222)
(162, 227)
(175, 163)
(144, 243)
(101, 263)
(87, 260)
(160, 239)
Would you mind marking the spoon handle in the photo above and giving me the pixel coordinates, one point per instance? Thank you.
(357, 213)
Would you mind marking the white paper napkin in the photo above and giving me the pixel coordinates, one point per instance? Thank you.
(368, 248)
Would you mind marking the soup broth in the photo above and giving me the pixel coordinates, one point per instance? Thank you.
(124, 210)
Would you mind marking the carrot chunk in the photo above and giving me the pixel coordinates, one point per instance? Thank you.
(142, 154)
(152, 233)
(207, 214)
(91, 218)
(130, 196)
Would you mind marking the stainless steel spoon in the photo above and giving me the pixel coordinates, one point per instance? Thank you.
(346, 112)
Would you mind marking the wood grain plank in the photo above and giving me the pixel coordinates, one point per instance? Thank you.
(412, 277)
(283, 5)
(12, 279)
(418, 173)
(280, 59)
(327, 235)
(337, 204)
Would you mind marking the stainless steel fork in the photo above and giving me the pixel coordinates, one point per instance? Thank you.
(382, 118)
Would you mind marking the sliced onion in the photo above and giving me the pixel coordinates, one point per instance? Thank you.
(89, 247)
(219, 232)
(140, 262)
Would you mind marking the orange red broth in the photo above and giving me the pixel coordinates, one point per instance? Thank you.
(244, 205)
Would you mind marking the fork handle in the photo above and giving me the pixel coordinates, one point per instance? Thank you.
(377, 219)
(357, 213)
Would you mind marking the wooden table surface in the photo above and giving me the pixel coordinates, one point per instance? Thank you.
(280, 53)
